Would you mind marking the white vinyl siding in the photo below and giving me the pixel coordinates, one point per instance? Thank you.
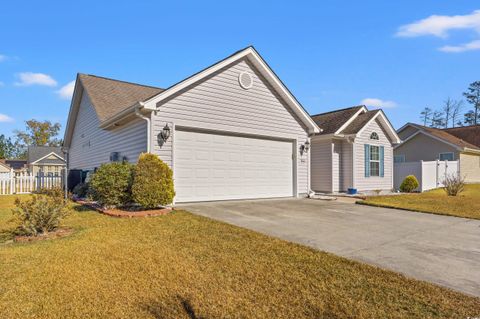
(337, 173)
(220, 104)
(321, 157)
(347, 166)
(470, 167)
(363, 183)
(91, 146)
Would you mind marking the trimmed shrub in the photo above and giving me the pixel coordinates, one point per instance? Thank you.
(40, 214)
(111, 184)
(454, 184)
(152, 182)
(409, 184)
(56, 192)
(80, 190)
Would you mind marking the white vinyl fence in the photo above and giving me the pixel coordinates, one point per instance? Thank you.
(24, 183)
(430, 174)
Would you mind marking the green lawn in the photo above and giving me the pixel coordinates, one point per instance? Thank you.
(467, 204)
(185, 266)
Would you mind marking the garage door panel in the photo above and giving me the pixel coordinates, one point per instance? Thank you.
(220, 167)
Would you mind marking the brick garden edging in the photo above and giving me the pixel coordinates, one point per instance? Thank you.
(124, 213)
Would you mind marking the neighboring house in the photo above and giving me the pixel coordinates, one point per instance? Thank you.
(354, 150)
(45, 160)
(422, 143)
(230, 131)
(4, 168)
(17, 165)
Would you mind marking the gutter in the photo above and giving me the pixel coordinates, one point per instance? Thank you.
(146, 118)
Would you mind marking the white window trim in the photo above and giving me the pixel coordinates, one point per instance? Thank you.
(443, 153)
(374, 161)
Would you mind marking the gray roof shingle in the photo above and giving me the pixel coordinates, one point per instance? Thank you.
(330, 122)
(109, 97)
(35, 153)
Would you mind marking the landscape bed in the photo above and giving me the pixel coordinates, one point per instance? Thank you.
(185, 266)
(466, 204)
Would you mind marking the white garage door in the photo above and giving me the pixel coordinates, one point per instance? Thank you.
(220, 167)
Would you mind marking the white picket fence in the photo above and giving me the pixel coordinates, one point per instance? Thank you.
(24, 183)
(430, 174)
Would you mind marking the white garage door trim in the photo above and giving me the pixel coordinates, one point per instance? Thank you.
(281, 191)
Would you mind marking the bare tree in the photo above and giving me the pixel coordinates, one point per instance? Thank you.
(457, 107)
(437, 120)
(447, 110)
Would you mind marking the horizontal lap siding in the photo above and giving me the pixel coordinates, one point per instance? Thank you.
(363, 183)
(424, 148)
(219, 103)
(346, 169)
(321, 157)
(94, 148)
(470, 167)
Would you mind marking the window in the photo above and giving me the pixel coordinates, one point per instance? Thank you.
(446, 156)
(399, 159)
(374, 136)
(374, 160)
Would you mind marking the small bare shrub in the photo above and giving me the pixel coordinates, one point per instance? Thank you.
(40, 214)
(453, 184)
(56, 192)
(409, 184)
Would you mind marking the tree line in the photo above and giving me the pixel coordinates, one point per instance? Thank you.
(36, 133)
(452, 113)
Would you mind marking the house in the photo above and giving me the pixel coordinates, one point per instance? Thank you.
(4, 168)
(230, 131)
(354, 150)
(45, 160)
(15, 164)
(461, 144)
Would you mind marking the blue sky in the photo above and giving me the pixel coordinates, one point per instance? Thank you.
(331, 54)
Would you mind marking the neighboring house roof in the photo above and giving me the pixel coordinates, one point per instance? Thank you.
(351, 121)
(109, 96)
(470, 134)
(4, 165)
(116, 101)
(16, 164)
(37, 153)
(331, 122)
(445, 135)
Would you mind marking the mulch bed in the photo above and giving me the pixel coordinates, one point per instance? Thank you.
(125, 213)
(59, 233)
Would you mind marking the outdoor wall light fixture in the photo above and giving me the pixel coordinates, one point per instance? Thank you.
(165, 134)
(305, 147)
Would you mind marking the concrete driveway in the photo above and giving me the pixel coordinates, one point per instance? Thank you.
(439, 249)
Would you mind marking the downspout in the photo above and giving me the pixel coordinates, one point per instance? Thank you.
(146, 118)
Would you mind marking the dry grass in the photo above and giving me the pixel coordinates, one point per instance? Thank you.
(185, 266)
(467, 204)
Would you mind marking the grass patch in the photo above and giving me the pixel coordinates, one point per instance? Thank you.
(467, 204)
(186, 266)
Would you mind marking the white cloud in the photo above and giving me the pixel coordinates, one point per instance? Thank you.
(474, 45)
(29, 78)
(66, 91)
(377, 103)
(5, 118)
(439, 26)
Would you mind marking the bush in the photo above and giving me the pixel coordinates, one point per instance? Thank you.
(152, 182)
(80, 190)
(409, 184)
(111, 184)
(56, 192)
(454, 184)
(40, 214)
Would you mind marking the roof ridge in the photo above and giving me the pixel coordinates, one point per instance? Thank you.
(121, 81)
(338, 110)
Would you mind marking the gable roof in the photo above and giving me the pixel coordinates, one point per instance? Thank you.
(36, 153)
(359, 122)
(109, 96)
(116, 101)
(332, 121)
(444, 135)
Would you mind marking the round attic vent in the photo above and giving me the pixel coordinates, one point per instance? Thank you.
(246, 80)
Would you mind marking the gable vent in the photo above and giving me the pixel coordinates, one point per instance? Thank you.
(246, 80)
